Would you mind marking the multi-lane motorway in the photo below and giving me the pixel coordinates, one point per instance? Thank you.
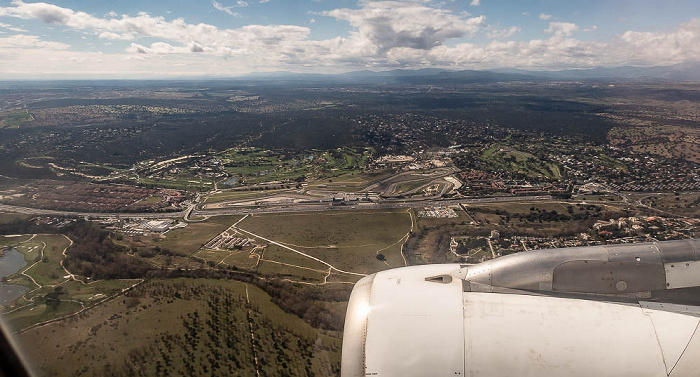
(374, 205)
(49, 212)
(191, 211)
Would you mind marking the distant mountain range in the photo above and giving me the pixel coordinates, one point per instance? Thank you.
(427, 76)
(677, 72)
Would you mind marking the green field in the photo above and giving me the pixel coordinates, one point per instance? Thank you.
(353, 181)
(151, 200)
(215, 256)
(39, 312)
(349, 241)
(49, 279)
(75, 295)
(511, 159)
(179, 183)
(289, 272)
(405, 187)
(610, 162)
(245, 259)
(241, 259)
(189, 239)
(48, 271)
(678, 204)
(234, 195)
(6, 241)
(258, 165)
(279, 254)
(15, 119)
(185, 326)
(541, 219)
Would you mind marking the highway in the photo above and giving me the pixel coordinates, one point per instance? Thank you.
(361, 206)
(306, 207)
(125, 215)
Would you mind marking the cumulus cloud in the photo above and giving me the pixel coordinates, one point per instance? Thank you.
(383, 25)
(549, 53)
(383, 34)
(561, 29)
(679, 45)
(242, 40)
(503, 33)
(545, 16)
(30, 41)
(114, 36)
(630, 48)
(162, 48)
(475, 3)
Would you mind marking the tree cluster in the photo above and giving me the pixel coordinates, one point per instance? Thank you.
(95, 255)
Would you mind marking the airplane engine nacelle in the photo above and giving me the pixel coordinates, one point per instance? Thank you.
(491, 319)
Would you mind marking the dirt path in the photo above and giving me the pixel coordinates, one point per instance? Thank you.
(298, 252)
(407, 236)
(252, 333)
(68, 273)
(50, 321)
(39, 286)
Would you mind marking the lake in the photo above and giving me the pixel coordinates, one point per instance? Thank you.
(10, 263)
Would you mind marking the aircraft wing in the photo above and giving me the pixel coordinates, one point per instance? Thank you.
(619, 310)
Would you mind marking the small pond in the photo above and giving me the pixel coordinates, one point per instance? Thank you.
(10, 263)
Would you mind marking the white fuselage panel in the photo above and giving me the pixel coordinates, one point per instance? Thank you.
(419, 327)
(415, 327)
(520, 335)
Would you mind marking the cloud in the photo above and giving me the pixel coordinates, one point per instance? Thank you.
(383, 25)
(503, 33)
(164, 48)
(545, 16)
(561, 29)
(247, 39)
(224, 9)
(592, 28)
(30, 41)
(475, 3)
(534, 54)
(115, 37)
(630, 48)
(12, 28)
(383, 34)
(196, 47)
(676, 46)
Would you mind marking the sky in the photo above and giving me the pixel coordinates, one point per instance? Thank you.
(95, 39)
